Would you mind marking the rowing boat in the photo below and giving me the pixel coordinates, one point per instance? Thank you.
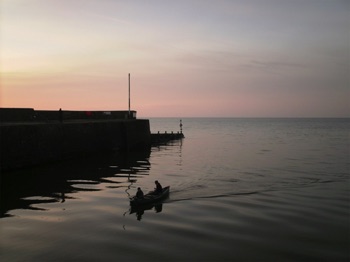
(150, 198)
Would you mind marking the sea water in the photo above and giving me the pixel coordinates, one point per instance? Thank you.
(240, 190)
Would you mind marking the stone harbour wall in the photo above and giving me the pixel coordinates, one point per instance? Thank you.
(27, 144)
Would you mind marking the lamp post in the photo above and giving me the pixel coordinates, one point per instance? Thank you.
(129, 96)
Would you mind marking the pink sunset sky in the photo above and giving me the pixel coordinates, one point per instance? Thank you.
(187, 58)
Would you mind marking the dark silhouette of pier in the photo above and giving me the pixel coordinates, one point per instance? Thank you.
(31, 137)
(164, 138)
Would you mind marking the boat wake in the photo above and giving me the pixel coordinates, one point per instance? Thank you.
(174, 199)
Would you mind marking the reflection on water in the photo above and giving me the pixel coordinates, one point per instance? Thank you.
(140, 210)
(25, 189)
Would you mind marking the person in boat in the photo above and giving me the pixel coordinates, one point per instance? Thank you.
(159, 189)
(139, 193)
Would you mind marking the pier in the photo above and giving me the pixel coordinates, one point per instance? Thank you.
(31, 137)
(164, 138)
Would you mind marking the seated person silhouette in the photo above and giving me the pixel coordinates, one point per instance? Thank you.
(139, 193)
(159, 189)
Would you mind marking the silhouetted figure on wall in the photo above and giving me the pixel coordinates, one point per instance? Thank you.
(60, 115)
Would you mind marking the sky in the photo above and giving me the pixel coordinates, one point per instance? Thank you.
(187, 58)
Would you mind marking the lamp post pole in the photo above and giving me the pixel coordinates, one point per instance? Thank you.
(129, 96)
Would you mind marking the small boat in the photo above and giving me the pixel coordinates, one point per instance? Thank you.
(150, 198)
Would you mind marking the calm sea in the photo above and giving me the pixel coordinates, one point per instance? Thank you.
(241, 190)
